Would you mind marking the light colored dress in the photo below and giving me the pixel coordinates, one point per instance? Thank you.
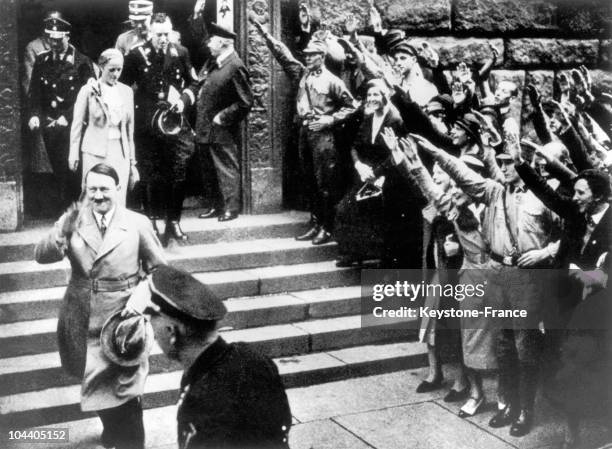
(103, 130)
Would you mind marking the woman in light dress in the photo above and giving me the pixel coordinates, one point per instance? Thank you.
(103, 123)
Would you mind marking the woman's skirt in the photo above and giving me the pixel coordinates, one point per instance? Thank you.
(114, 157)
(359, 228)
(478, 334)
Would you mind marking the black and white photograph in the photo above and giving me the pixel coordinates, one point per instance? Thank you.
(305, 224)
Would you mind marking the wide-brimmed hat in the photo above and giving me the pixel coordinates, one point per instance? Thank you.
(126, 341)
(469, 122)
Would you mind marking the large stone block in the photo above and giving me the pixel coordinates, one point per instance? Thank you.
(500, 16)
(453, 50)
(543, 81)
(551, 52)
(333, 13)
(516, 76)
(587, 17)
(602, 81)
(430, 15)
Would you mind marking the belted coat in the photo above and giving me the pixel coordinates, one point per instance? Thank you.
(128, 250)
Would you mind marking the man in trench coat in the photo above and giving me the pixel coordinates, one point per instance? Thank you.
(110, 249)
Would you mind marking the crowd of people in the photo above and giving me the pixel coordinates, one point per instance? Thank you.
(413, 169)
(401, 165)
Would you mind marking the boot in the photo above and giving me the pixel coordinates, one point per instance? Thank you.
(308, 235)
(174, 207)
(322, 237)
(173, 229)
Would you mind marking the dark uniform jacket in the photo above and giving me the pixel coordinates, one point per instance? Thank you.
(55, 84)
(233, 397)
(221, 89)
(154, 73)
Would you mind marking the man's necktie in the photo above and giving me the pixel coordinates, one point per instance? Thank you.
(103, 225)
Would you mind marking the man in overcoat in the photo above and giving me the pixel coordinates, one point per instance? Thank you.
(232, 396)
(223, 98)
(110, 249)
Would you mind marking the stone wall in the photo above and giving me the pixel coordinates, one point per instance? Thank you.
(10, 121)
(535, 38)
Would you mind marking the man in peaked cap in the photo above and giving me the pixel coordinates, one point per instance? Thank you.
(140, 12)
(323, 103)
(57, 76)
(407, 67)
(231, 395)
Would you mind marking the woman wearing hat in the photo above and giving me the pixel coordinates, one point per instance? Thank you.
(103, 124)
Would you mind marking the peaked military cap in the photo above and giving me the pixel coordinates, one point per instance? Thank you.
(178, 294)
(315, 46)
(403, 47)
(56, 26)
(140, 9)
(221, 31)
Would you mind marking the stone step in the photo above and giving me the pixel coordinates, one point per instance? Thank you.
(37, 304)
(210, 257)
(38, 336)
(20, 245)
(35, 372)
(60, 404)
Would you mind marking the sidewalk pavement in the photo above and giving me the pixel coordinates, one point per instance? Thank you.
(381, 412)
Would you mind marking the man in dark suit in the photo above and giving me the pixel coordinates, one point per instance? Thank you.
(232, 396)
(222, 98)
(160, 68)
(587, 232)
(57, 77)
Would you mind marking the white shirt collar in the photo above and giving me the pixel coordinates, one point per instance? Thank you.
(599, 215)
(223, 56)
(107, 216)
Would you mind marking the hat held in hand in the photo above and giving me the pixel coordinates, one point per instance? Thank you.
(126, 341)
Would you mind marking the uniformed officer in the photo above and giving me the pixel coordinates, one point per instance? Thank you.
(323, 102)
(161, 70)
(140, 12)
(57, 77)
(231, 395)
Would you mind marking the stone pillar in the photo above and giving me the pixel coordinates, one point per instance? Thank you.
(11, 197)
(262, 162)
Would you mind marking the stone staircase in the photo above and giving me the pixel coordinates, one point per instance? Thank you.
(287, 298)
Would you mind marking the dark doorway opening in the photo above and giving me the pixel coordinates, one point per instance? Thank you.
(95, 27)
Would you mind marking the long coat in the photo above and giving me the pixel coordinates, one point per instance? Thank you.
(128, 248)
(232, 397)
(223, 89)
